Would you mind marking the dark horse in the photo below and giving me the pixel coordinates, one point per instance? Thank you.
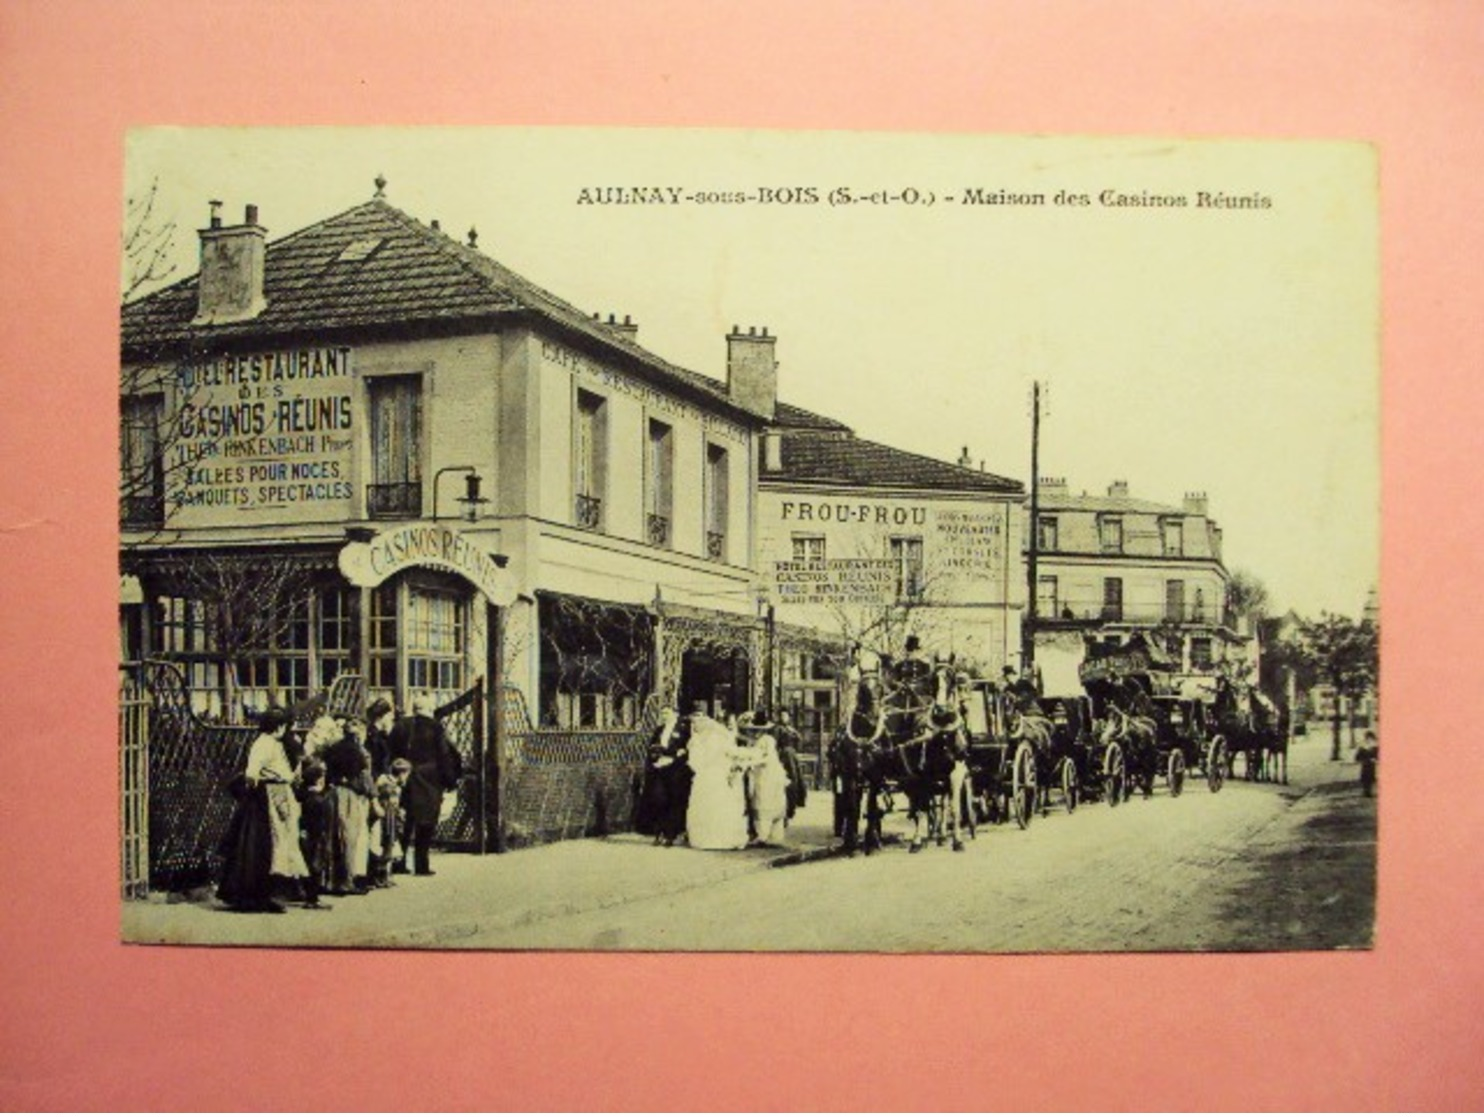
(1255, 726)
(902, 739)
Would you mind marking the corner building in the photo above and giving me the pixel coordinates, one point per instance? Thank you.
(309, 425)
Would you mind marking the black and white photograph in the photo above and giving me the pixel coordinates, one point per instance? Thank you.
(708, 540)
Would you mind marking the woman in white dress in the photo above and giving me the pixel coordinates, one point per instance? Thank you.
(770, 795)
(716, 817)
(268, 767)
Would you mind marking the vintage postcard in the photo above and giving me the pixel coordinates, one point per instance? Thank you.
(748, 541)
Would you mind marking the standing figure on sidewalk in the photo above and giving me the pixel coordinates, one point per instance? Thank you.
(419, 740)
(789, 743)
(316, 830)
(769, 790)
(255, 858)
(380, 716)
(716, 817)
(348, 768)
(1369, 755)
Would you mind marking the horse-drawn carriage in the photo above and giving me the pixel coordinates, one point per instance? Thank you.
(1159, 730)
(1256, 728)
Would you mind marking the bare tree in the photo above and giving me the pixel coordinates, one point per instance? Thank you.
(149, 242)
(250, 604)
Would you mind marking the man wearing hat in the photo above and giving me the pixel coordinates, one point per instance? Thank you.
(419, 739)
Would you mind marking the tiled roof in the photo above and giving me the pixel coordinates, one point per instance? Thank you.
(398, 272)
(856, 461)
(788, 416)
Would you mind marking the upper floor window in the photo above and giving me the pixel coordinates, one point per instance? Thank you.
(1112, 599)
(906, 553)
(808, 548)
(1046, 534)
(1110, 535)
(1046, 596)
(1198, 606)
(396, 488)
(1174, 600)
(590, 460)
(659, 484)
(716, 502)
(1174, 538)
(141, 461)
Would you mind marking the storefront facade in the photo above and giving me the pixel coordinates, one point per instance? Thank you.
(369, 449)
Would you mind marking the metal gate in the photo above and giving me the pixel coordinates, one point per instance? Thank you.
(463, 720)
(133, 784)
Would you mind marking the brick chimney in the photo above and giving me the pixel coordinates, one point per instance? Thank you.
(627, 328)
(230, 286)
(752, 371)
(1118, 489)
(1053, 486)
(964, 460)
(1195, 504)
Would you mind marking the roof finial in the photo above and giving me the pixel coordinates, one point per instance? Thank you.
(380, 186)
(473, 236)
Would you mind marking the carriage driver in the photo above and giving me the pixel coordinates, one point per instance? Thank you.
(914, 673)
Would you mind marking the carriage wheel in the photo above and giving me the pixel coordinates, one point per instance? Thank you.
(1069, 784)
(1216, 763)
(1175, 773)
(1023, 784)
(1113, 774)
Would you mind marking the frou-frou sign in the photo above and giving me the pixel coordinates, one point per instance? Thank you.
(607, 378)
(848, 512)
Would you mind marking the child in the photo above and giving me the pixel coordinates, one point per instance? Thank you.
(316, 822)
(385, 824)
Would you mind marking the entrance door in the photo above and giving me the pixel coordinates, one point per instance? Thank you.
(719, 681)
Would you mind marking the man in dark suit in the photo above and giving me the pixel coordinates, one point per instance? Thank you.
(419, 740)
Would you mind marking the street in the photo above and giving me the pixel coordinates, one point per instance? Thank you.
(1253, 867)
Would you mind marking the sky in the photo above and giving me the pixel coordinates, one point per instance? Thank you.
(1227, 350)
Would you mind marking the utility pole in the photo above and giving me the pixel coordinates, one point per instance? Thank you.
(1028, 629)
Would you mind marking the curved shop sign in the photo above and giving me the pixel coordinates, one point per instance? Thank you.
(436, 545)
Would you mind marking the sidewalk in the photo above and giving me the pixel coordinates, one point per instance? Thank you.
(477, 895)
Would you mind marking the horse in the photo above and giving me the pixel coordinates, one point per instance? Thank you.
(904, 739)
(1238, 724)
(1270, 724)
(1137, 734)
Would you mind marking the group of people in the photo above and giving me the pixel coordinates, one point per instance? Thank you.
(721, 783)
(337, 812)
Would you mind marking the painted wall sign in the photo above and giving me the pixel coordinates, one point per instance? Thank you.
(263, 436)
(606, 378)
(835, 582)
(433, 545)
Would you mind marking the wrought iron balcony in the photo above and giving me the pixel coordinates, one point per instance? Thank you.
(589, 512)
(659, 530)
(395, 500)
(716, 545)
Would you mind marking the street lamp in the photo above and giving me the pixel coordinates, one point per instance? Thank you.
(471, 500)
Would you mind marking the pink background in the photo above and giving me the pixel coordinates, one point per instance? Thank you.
(89, 1023)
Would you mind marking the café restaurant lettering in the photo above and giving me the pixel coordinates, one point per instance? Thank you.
(266, 433)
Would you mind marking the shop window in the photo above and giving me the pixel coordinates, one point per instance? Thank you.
(396, 490)
(383, 630)
(337, 633)
(808, 548)
(1112, 599)
(1200, 653)
(716, 502)
(1174, 538)
(906, 556)
(660, 484)
(1046, 534)
(1175, 600)
(141, 462)
(435, 634)
(590, 464)
(1110, 535)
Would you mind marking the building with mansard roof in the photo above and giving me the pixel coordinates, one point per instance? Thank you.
(1111, 564)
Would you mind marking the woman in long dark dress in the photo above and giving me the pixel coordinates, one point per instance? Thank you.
(248, 848)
